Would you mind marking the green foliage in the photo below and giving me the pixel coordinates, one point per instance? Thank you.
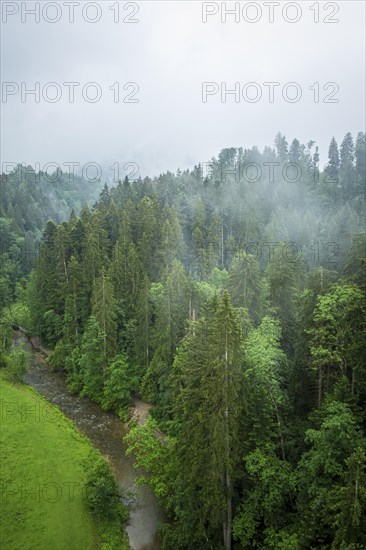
(265, 370)
(101, 491)
(5, 339)
(91, 360)
(52, 327)
(347, 502)
(263, 517)
(208, 403)
(119, 382)
(19, 314)
(337, 335)
(244, 283)
(60, 356)
(104, 311)
(16, 364)
(331, 474)
(153, 455)
(285, 281)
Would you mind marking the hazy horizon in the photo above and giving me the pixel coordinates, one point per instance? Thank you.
(169, 53)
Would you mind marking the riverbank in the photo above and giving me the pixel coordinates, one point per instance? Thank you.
(106, 432)
(42, 477)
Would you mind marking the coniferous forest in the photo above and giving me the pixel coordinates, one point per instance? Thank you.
(230, 297)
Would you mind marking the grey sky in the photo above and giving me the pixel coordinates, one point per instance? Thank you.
(169, 53)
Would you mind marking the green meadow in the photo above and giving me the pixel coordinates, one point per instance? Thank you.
(42, 477)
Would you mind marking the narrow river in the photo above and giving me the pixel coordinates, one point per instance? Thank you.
(106, 432)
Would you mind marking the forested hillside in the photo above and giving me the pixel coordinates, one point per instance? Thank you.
(232, 298)
(28, 201)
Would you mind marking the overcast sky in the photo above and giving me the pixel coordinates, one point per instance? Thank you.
(169, 53)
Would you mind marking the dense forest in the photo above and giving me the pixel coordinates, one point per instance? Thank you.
(232, 298)
(28, 200)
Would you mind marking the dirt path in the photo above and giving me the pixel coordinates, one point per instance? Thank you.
(140, 412)
(140, 415)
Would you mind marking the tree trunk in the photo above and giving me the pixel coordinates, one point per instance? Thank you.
(320, 380)
(75, 313)
(147, 330)
(228, 522)
(104, 328)
(229, 514)
(222, 240)
(279, 426)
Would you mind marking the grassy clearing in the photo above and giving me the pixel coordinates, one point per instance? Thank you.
(43, 479)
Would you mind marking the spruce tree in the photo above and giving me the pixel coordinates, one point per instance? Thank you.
(295, 152)
(208, 381)
(347, 169)
(360, 155)
(104, 312)
(244, 283)
(281, 148)
(332, 168)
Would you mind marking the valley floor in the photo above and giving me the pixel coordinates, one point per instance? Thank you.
(42, 477)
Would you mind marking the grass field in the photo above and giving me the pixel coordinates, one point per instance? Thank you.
(42, 478)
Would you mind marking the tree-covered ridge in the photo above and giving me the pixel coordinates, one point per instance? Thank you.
(28, 200)
(233, 301)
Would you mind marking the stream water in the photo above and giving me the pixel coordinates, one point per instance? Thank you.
(106, 432)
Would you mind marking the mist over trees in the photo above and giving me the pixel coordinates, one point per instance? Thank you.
(231, 297)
